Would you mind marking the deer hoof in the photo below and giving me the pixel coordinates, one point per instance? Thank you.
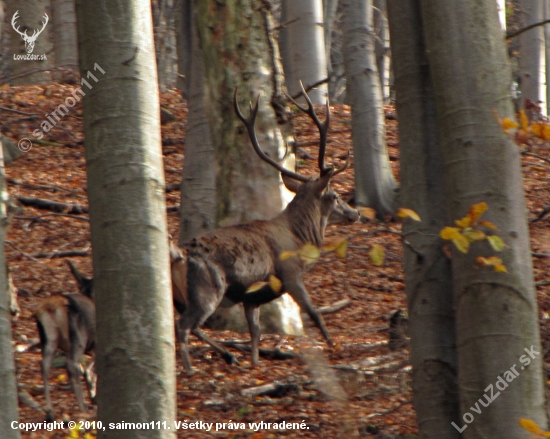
(230, 358)
(49, 416)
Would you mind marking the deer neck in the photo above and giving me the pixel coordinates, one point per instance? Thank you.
(305, 222)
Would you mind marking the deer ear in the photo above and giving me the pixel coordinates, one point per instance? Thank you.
(291, 184)
(322, 182)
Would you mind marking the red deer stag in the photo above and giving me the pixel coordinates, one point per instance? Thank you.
(67, 322)
(227, 261)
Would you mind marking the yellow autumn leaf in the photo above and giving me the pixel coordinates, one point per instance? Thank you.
(377, 255)
(256, 286)
(403, 212)
(531, 426)
(491, 260)
(508, 124)
(342, 249)
(368, 212)
(500, 268)
(461, 243)
(332, 244)
(474, 235)
(488, 224)
(287, 255)
(449, 233)
(537, 129)
(464, 222)
(523, 120)
(496, 242)
(275, 283)
(546, 131)
(309, 253)
(477, 210)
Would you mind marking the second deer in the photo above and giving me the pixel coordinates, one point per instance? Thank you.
(67, 322)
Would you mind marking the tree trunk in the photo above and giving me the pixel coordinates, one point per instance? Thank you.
(329, 14)
(308, 60)
(64, 34)
(497, 317)
(244, 192)
(428, 277)
(382, 47)
(165, 42)
(132, 286)
(9, 411)
(30, 18)
(374, 182)
(198, 185)
(531, 48)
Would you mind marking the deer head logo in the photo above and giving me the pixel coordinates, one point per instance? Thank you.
(29, 41)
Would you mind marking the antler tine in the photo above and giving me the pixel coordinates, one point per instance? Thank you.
(249, 123)
(343, 167)
(323, 127)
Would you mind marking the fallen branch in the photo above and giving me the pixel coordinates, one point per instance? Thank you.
(33, 219)
(37, 186)
(51, 205)
(532, 154)
(542, 214)
(32, 258)
(275, 390)
(17, 111)
(387, 412)
(65, 254)
(337, 306)
(271, 354)
(511, 35)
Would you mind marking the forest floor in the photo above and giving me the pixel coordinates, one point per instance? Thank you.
(375, 379)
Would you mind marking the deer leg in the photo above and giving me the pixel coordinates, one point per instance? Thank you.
(91, 380)
(226, 355)
(48, 351)
(77, 350)
(183, 336)
(252, 314)
(299, 293)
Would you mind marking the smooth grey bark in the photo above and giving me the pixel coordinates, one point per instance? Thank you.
(64, 33)
(496, 313)
(374, 182)
(198, 185)
(241, 54)
(546, 12)
(428, 277)
(531, 48)
(9, 409)
(308, 61)
(382, 46)
(31, 17)
(329, 15)
(165, 42)
(132, 287)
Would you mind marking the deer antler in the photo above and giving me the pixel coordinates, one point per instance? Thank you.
(323, 130)
(249, 123)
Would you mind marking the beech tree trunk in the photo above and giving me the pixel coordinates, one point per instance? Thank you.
(496, 313)
(428, 277)
(239, 49)
(64, 34)
(198, 184)
(531, 48)
(374, 182)
(132, 286)
(308, 60)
